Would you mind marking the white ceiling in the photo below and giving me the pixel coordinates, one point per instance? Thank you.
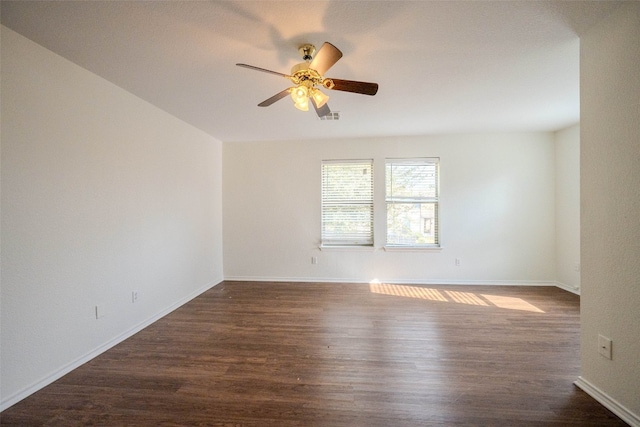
(442, 67)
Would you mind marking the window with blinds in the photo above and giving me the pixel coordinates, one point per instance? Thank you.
(412, 202)
(347, 203)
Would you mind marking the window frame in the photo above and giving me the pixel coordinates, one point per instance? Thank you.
(388, 199)
(328, 241)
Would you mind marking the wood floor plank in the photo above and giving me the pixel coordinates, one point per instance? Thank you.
(326, 354)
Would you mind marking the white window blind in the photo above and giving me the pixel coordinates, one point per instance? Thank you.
(347, 202)
(412, 202)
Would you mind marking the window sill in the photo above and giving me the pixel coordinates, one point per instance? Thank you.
(412, 248)
(346, 248)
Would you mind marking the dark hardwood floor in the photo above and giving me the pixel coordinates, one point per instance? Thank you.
(312, 354)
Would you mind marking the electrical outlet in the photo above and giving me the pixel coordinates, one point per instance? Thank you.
(604, 346)
(134, 296)
(314, 260)
(99, 311)
(576, 267)
(457, 262)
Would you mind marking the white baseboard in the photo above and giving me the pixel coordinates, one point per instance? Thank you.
(608, 402)
(59, 373)
(393, 281)
(572, 289)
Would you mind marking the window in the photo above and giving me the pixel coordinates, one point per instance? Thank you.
(412, 202)
(347, 202)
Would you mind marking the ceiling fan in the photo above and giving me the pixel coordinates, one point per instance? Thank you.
(308, 77)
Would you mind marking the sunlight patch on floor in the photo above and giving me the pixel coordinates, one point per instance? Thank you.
(465, 298)
(512, 303)
(458, 297)
(407, 291)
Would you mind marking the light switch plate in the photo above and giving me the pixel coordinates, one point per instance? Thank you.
(604, 346)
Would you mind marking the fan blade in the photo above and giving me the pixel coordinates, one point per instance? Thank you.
(321, 112)
(364, 88)
(325, 58)
(277, 97)
(264, 70)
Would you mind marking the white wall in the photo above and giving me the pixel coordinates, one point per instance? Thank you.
(610, 206)
(567, 155)
(102, 194)
(497, 210)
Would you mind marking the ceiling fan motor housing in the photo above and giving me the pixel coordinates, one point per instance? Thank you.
(299, 68)
(302, 74)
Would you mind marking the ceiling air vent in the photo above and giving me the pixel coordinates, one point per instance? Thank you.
(334, 115)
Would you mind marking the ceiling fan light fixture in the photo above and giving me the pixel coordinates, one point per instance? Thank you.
(319, 97)
(302, 106)
(299, 93)
(300, 96)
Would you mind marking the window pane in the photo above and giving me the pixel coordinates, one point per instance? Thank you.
(347, 202)
(411, 181)
(347, 224)
(412, 224)
(347, 181)
(412, 201)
